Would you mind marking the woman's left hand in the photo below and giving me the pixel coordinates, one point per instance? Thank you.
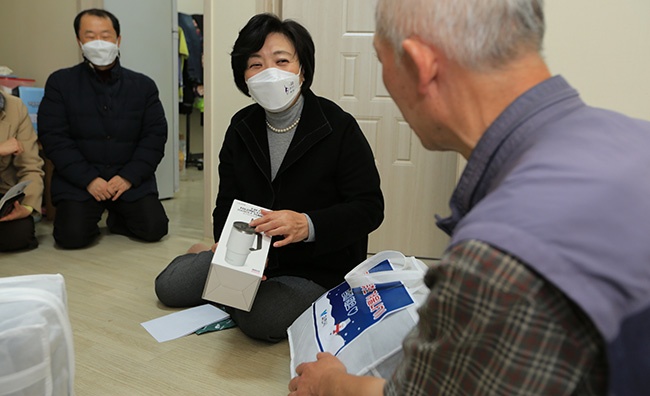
(11, 146)
(293, 226)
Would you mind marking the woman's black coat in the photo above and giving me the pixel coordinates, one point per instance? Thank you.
(328, 172)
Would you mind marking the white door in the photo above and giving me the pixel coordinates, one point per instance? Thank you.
(416, 183)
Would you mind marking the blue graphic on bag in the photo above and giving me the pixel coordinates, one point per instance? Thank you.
(356, 310)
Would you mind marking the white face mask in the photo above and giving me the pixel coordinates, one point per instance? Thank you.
(100, 52)
(274, 89)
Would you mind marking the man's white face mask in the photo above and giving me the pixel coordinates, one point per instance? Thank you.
(100, 52)
(274, 89)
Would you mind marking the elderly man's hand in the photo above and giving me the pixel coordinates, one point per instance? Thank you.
(293, 226)
(314, 377)
(328, 376)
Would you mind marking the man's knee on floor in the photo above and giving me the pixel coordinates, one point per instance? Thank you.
(152, 231)
(69, 239)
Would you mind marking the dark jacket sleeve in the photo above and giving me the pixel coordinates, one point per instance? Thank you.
(150, 147)
(56, 137)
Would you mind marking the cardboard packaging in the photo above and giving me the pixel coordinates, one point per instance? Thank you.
(239, 260)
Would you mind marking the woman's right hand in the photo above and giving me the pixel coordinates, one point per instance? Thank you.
(292, 226)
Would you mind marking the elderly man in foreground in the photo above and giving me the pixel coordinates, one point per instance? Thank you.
(545, 286)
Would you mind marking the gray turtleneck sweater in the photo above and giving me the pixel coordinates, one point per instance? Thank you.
(279, 141)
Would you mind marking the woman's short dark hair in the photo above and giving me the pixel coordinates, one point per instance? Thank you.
(98, 13)
(252, 37)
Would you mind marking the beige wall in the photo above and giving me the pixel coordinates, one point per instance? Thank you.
(190, 6)
(222, 100)
(223, 20)
(37, 37)
(602, 48)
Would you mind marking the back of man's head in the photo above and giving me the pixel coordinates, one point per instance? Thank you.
(98, 13)
(477, 34)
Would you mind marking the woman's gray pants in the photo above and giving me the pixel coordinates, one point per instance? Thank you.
(279, 301)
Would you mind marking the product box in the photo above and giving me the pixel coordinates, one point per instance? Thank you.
(239, 260)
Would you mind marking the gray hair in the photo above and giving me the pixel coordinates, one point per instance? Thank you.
(478, 34)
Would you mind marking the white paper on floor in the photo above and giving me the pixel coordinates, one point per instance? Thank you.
(182, 323)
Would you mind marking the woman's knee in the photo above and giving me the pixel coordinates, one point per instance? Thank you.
(260, 325)
(17, 235)
(181, 283)
(277, 305)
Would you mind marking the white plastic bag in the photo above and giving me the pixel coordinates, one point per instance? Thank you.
(36, 347)
(363, 320)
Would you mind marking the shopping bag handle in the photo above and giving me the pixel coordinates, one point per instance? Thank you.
(404, 269)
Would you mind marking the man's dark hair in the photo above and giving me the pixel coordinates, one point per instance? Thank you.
(98, 13)
(252, 37)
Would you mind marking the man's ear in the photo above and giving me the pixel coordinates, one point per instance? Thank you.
(424, 59)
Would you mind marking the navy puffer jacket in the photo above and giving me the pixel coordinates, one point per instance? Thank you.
(91, 128)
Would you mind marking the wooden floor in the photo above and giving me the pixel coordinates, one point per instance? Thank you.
(110, 292)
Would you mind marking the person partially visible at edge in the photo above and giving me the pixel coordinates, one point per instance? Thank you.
(104, 128)
(301, 156)
(19, 162)
(545, 286)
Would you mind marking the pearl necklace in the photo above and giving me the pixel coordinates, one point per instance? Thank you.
(282, 130)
